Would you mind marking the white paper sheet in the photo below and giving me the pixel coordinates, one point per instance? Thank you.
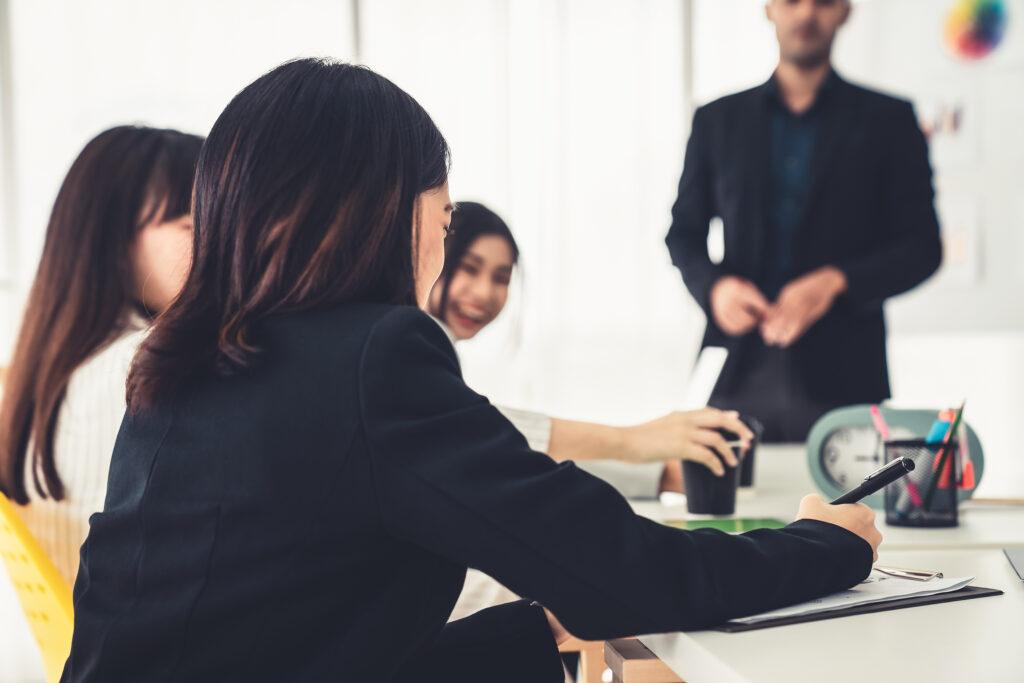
(878, 587)
(704, 377)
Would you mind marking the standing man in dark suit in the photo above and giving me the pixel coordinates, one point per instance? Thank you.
(824, 189)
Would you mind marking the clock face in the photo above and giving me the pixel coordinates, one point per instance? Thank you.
(849, 454)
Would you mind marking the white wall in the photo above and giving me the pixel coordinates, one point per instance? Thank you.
(568, 117)
(7, 229)
(985, 368)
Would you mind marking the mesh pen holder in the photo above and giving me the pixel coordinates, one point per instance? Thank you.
(926, 497)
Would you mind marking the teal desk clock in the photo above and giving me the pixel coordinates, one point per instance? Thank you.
(844, 447)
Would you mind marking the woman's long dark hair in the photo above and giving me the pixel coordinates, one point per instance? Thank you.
(305, 198)
(469, 223)
(123, 179)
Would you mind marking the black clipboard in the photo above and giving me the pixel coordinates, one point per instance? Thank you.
(965, 593)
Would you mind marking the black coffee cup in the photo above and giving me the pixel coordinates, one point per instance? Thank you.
(747, 461)
(707, 494)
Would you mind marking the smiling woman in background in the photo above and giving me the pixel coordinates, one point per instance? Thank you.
(115, 254)
(481, 256)
(302, 477)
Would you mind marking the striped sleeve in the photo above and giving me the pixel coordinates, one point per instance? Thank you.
(536, 427)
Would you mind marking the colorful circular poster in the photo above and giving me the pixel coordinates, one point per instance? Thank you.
(975, 27)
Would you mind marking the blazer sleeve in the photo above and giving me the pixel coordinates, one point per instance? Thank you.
(912, 251)
(687, 238)
(453, 476)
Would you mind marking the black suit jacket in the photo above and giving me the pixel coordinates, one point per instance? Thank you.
(870, 213)
(312, 520)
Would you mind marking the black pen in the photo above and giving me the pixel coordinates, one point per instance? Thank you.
(877, 480)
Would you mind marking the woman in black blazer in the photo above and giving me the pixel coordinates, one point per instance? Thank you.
(302, 477)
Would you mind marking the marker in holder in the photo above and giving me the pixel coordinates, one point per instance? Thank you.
(926, 497)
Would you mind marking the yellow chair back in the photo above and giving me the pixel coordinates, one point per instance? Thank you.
(44, 594)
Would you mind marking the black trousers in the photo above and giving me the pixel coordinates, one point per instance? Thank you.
(769, 388)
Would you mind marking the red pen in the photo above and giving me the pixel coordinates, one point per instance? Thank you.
(880, 426)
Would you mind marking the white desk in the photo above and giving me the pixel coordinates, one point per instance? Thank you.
(781, 480)
(972, 640)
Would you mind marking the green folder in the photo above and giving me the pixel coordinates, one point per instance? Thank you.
(733, 525)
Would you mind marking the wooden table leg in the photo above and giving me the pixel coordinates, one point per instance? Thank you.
(631, 662)
(591, 653)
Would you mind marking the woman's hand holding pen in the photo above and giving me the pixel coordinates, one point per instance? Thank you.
(856, 518)
(690, 435)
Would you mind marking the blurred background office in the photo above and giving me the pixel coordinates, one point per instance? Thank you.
(569, 118)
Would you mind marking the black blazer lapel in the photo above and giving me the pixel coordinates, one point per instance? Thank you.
(837, 117)
(755, 140)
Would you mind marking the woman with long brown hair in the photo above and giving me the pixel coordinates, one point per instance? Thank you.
(115, 254)
(302, 477)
